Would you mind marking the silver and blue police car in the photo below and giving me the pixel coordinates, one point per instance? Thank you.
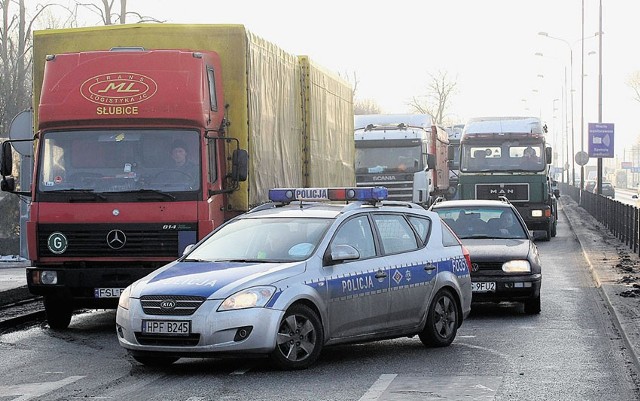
(300, 273)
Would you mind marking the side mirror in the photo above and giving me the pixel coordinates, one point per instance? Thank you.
(341, 253)
(548, 154)
(6, 159)
(8, 184)
(240, 165)
(556, 193)
(431, 161)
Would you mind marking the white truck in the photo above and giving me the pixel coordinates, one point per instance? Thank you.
(407, 153)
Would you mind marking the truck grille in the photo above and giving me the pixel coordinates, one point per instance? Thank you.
(513, 192)
(91, 240)
(401, 190)
(184, 304)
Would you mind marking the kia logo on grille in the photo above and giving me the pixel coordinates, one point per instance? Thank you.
(116, 239)
(168, 304)
(474, 267)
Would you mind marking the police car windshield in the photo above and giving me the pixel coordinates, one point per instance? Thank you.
(267, 239)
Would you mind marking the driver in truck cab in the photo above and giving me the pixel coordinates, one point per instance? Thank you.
(180, 157)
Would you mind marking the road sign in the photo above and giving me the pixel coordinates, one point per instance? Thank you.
(601, 140)
(582, 158)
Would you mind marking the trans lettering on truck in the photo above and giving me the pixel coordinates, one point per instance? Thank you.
(121, 88)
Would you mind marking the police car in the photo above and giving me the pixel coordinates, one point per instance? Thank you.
(300, 273)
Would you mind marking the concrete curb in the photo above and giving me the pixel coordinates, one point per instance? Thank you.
(629, 331)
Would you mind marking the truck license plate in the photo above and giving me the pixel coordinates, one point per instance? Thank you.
(483, 286)
(107, 292)
(178, 328)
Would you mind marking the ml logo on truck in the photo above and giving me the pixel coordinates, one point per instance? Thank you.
(117, 92)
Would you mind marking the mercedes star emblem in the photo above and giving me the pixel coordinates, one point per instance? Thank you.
(116, 239)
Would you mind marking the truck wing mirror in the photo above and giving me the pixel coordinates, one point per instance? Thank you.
(548, 154)
(431, 161)
(451, 152)
(240, 165)
(6, 159)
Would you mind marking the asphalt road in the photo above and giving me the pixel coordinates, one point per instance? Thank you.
(574, 350)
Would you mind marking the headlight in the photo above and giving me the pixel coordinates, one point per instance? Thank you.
(123, 302)
(517, 266)
(249, 298)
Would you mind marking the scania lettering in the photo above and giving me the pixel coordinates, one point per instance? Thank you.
(109, 203)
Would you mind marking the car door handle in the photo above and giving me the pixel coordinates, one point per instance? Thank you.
(381, 274)
(429, 267)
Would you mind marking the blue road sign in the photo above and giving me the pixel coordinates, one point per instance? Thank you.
(601, 140)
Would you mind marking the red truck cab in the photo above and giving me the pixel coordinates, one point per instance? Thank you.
(109, 202)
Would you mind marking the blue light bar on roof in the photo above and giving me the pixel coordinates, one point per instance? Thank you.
(365, 194)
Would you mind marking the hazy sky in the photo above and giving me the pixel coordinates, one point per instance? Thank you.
(486, 46)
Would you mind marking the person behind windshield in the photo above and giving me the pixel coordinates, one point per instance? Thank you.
(181, 160)
(507, 224)
(530, 158)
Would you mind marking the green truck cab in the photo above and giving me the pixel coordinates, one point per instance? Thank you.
(508, 156)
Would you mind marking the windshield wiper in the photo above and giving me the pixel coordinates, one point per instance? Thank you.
(153, 192)
(92, 194)
(195, 260)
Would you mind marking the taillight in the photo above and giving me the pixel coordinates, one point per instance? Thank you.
(465, 252)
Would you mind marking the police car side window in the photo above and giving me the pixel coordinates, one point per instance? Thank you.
(357, 233)
(448, 238)
(422, 225)
(395, 233)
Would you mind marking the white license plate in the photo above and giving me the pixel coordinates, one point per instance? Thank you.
(482, 286)
(107, 292)
(178, 327)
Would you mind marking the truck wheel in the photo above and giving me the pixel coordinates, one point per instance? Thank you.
(58, 312)
(554, 228)
(548, 230)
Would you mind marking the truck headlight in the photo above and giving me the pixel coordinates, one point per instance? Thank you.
(249, 298)
(516, 266)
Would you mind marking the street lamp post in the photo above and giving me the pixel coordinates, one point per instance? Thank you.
(570, 47)
(573, 162)
(565, 127)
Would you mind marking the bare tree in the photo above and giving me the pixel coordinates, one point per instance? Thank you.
(436, 102)
(634, 83)
(365, 106)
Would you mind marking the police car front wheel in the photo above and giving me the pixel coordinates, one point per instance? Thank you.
(299, 339)
(442, 320)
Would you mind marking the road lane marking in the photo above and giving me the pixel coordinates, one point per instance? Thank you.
(28, 391)
(379, 387)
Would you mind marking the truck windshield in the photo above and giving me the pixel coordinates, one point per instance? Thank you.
(119, 161)
(388, 159)
(502, 156)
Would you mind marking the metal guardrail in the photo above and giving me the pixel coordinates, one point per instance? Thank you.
(622, 220)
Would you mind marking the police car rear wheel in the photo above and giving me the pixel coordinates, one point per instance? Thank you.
(299, 339)
(442, 320)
